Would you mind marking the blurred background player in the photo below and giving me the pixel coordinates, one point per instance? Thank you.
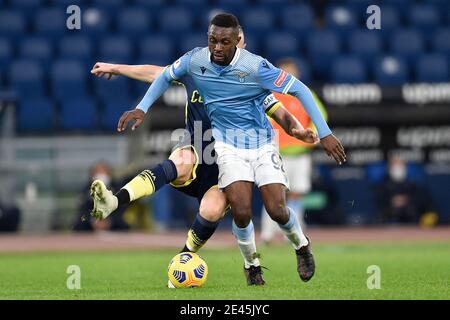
(296, 156)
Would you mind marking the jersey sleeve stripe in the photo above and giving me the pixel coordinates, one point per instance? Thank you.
(289, 85)
(172, 74)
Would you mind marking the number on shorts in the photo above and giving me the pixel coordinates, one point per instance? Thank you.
(277, 162)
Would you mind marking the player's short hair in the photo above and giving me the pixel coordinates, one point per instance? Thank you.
(225, 20)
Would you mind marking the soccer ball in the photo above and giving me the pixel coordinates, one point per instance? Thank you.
(187, 270)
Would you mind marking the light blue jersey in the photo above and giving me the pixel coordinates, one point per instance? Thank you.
(233, 94)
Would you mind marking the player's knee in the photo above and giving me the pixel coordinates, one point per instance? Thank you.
(242, 215)
(184, 162)
(210, 212)
(278, 212)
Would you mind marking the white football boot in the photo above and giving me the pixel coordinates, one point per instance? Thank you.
(105, 202)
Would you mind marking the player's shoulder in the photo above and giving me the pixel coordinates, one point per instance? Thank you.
(254, 60)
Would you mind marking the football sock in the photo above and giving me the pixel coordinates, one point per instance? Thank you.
(293, 231)
(246, 241)
(148, 182)
(201, 230)
(296, 206)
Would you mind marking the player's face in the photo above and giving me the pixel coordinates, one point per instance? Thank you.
(222, 44)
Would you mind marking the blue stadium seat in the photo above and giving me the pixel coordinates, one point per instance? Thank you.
(359, 7)
(116, 89)
(437, 184)
(183, 17)
(258, 20)
(116, 49)
(134, 23)
(78, 114)
(355, 195)
(252, 43)
(68, 79)
(348, 69)
(340, 18)
(391, 71)
(298, 19)
(281, 45)
(50, 23)
(432, 68)
(398, 5)
(323, 47)
(95, 23)
(193, 4)
(390, 20)
(110, 6)
(36, 115)
(6, 53)
(38, 49)
(27, 78)
(440, 41)
(76, 48)
(236, 7)
(407, 44)
(425, 17)
(192, 40)
(365, 44)
(156, 47)
(111, 113)
(376, 172)
(153, 5)
(12, 25)
(27, 7)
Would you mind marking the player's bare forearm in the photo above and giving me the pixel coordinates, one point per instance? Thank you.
(286, 120)
(293, 127)
(146, 73)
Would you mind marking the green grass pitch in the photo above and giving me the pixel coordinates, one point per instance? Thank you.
(408, 271)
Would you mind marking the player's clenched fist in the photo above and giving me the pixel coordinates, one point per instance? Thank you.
(334, 148)
(306, 135)
(101, 69)
(137, 115)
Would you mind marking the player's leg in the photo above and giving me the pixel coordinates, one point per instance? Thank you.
(178, 168)
(239, 195)
(272, 182)
(274, 200)
(212, 208)
(236, 180)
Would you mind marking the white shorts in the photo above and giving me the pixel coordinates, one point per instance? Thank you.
(299, 171)
(261, 166)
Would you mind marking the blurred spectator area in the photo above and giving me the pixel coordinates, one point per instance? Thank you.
(48, 65)
(65, 118)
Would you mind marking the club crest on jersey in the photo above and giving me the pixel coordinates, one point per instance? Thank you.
(280, 79)
(241, 75)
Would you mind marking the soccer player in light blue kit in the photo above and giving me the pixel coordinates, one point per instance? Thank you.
(233, 84)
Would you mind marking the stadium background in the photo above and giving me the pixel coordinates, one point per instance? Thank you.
(386, 92)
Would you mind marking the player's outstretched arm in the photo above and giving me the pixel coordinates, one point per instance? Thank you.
(157, 88)
(146, 72)
(292, 126)
(275, 79)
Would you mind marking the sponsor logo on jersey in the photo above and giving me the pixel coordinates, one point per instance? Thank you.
(281, 77)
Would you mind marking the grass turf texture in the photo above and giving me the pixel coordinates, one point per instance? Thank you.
(408, 271)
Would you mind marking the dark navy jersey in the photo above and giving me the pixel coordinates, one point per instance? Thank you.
(195, 110)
